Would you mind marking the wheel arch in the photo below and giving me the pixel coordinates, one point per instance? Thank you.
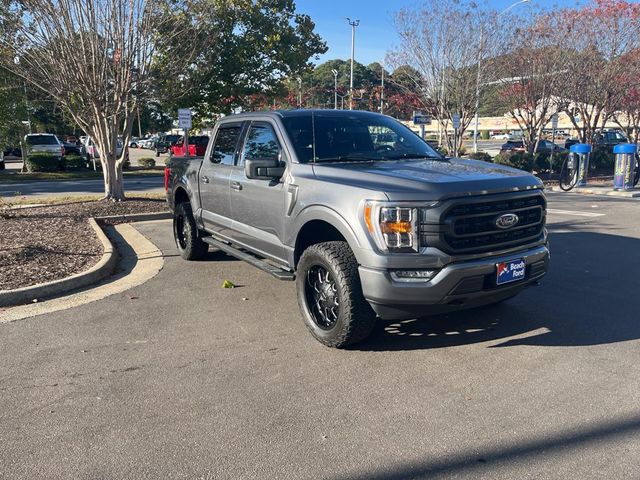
(320, 224)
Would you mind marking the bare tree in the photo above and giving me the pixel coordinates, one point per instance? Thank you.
(443, 42)
(93, 57)
(529, 77)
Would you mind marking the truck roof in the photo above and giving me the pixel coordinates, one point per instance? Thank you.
(296, 113)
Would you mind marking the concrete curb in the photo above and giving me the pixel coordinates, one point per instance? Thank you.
(136, 217)
(139, 260)
(102, 269)
(607, 191)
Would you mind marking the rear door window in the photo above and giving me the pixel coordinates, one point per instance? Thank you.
(224, 149)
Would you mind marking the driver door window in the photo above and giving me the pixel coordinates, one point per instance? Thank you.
(261, 142)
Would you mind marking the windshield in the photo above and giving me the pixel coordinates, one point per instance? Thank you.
(331, 136)
(172, 138)
(200, 141)
(42, 140)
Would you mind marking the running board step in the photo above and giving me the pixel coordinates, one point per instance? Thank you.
(279, 273)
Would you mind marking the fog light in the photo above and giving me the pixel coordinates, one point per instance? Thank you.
(412, 275)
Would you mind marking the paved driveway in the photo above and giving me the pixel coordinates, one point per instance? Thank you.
(180, 378)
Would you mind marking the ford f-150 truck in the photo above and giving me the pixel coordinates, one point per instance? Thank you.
(367, 229)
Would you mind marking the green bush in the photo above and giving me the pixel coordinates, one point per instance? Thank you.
(43, 162)
(147, 162)
(520, 160)
(484, 135)
(541, 162)
(602, 159)
(484, 156)
(74, 162)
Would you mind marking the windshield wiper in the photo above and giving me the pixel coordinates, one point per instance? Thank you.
(414, 156)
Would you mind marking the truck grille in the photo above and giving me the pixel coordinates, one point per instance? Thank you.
(469, 227)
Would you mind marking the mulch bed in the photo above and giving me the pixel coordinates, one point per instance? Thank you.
(47, 243)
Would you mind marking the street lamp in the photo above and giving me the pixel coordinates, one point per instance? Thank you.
(354, 24)
(299, 92)
(335, 88)
(382, 89)
(476, 120)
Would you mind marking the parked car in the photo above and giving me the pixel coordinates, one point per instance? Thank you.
(92, 152)
(133, 143)
(2, 166)
(71, 148)
(12, 152)
(165, 142)
(44, 143)
(544, 146)
(365, 232)
(603, 138)
(500, 136)
(197, 146)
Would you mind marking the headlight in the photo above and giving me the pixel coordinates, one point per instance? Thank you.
(394, 228)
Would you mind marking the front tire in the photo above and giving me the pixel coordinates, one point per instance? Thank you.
(330, 295)
(185, 232)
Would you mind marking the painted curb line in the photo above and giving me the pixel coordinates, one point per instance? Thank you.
(100, 270)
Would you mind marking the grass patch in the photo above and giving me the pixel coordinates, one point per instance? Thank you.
(59, 200)
(10, 177)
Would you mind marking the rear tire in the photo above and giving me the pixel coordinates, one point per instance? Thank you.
(330, 295)
(186, 235)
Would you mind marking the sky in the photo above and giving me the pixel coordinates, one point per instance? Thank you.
(376, 34)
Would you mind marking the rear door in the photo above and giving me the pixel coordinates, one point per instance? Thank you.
(257, 206)
(214, 177)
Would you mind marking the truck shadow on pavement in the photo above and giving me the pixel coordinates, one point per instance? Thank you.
(587, 298)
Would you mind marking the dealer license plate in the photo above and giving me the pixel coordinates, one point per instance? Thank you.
(512, 271)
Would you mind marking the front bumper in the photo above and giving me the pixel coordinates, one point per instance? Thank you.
(456, 286)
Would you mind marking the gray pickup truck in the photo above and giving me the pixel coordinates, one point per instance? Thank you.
(362, 214)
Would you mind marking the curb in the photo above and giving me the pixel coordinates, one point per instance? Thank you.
(102, 269)
(136, 217)
(607, 191)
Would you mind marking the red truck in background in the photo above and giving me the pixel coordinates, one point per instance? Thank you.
(197, 146)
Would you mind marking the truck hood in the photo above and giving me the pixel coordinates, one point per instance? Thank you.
(428, 179)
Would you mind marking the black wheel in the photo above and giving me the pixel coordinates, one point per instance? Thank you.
(568, 175)
(330, 295)
(185, 232)
(134, 145)
(157, 153)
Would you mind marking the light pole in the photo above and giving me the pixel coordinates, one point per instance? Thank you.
(299, 92)
(335, 88)
(382, 90)
(476, 120)
(354, 24)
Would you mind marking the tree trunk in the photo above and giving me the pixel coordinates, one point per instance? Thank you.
(113, 180)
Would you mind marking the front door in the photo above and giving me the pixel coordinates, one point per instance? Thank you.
(257, 206)
(214, 178)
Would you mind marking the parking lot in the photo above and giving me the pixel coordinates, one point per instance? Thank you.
(180, 378)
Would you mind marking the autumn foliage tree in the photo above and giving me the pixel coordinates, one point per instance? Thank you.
(597, 40)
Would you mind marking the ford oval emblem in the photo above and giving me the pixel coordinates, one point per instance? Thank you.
(507, 220)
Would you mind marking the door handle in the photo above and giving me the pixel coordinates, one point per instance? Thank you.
(204, 179)
(236, 186)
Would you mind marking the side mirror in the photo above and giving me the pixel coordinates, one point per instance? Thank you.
(263, 168)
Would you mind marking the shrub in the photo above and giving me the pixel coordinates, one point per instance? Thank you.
(542, 161)
(602, 159)
(74, 162)
(43, 162)
(484, 134)
(147, 162)
(523, 161)
(126, 165)
(484, 156)
(461, 151)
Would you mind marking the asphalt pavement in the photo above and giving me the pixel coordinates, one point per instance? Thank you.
(180, 378)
